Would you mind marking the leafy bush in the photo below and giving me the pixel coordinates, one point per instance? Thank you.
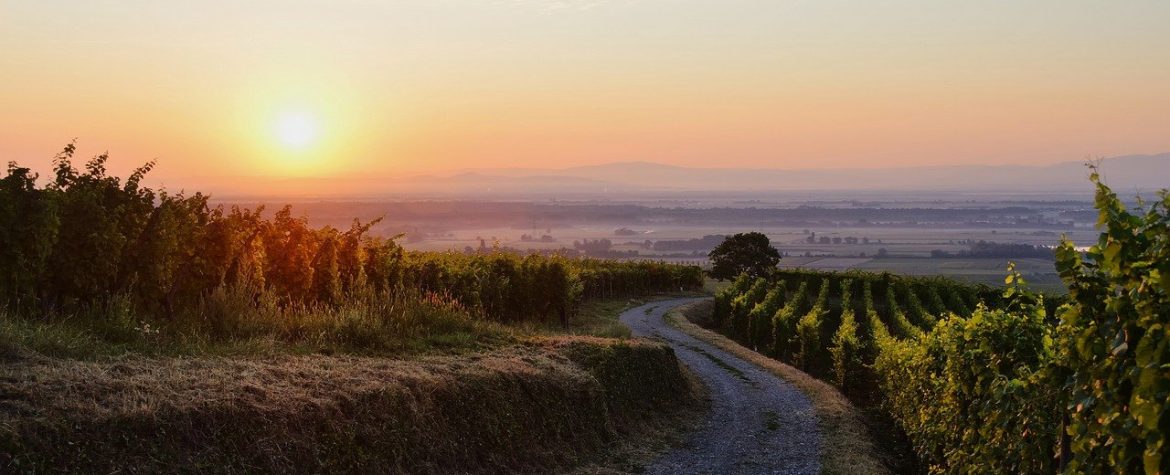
(846, 348)
(1116, 343)
(743, 304)
(722, 308)
(759, 333)
(784, 324)
(976, 394)
(808, 330)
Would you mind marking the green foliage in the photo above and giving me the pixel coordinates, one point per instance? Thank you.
(609, 279)
(976, 394)
(808, 330)
(749, 253)
(954, 301)
(987, 393)
(1005, 388)
(722, 311)
(898, 322)
(914, 307)
(784, 336)
(760, 318)
(937, 307)
(1116, 344)
(87, 239)
(28, 229)
(846, 346)
(742, 305)
(89, 257)
(879, 334)
(784, 324)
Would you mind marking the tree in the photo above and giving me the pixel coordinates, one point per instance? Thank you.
(749, 253)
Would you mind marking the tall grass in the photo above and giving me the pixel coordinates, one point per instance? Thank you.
(231, 321)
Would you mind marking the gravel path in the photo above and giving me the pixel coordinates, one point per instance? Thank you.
(758, 422)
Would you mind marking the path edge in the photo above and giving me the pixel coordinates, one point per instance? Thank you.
(846, 447)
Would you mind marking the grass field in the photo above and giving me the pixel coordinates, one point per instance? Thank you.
(1040, 273)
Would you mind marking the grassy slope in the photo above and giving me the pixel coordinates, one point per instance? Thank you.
(847, 445)
(537, 406)
(464, 396)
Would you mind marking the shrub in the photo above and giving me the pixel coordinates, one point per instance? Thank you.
(1115, 341)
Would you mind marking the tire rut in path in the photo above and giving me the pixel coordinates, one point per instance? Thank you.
(758, 422)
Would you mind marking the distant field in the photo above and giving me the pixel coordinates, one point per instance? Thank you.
(907, 250)
(1040, 273)
(911, 241)
(825, 263)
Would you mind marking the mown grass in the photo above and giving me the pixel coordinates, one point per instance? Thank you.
(545, 405)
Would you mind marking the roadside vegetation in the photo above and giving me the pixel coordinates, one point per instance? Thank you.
(151, 331)
(993, 381)
(91, 264)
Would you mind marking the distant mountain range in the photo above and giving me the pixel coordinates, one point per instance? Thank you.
(1141, 173)
(1132, 172)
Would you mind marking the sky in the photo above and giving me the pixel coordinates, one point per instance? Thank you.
(370, 88)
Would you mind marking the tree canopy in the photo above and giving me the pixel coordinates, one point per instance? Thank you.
(750, 253)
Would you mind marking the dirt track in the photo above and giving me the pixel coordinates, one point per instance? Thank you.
(758, 423)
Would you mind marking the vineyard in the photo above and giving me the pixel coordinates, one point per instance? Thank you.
(993, 380)
(830, 324)
(92, 249)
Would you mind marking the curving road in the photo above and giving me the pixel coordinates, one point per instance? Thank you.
(758, 422)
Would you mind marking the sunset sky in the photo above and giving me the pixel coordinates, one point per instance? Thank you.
(341, 88)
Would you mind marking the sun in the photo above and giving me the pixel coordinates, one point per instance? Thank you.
(297, 130)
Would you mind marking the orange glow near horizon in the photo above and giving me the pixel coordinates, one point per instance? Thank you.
(354, 88)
